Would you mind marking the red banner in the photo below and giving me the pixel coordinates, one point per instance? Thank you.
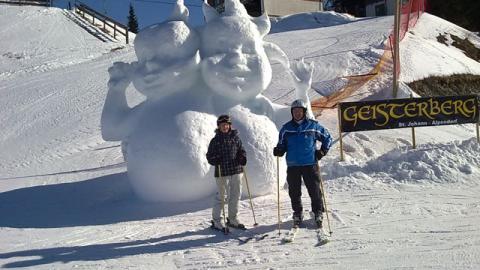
(410, 11)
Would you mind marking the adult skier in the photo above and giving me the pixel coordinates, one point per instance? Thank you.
(227, 154)
(298, 138)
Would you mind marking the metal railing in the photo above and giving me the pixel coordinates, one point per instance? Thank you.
(109, 24)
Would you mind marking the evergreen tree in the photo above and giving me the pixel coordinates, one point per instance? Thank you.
(132, 20)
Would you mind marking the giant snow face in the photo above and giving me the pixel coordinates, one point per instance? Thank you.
(167, 59)
(234, 63)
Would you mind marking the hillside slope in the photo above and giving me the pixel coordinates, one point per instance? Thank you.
(423, 55)
(38, 39)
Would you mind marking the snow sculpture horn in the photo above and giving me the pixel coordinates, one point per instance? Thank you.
(209, 12)
(235, 8)
(276, 53)
(179, 12)
(263, 24)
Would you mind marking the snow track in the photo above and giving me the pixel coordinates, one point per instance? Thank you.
(45, 39)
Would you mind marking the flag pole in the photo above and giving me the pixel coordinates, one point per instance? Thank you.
(396, 55)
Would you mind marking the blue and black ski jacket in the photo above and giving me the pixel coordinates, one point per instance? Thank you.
(299, 141)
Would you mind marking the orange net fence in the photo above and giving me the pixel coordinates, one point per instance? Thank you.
(410, 10)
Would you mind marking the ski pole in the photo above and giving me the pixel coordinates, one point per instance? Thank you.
(278, 193)
(249, 195)
(323, 197)
(222, 195)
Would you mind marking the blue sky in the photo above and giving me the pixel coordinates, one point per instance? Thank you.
(148, 11)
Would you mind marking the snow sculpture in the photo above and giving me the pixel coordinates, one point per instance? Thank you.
(189, 76)
(164, 139)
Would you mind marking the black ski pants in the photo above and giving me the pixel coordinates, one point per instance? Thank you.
(310, 175)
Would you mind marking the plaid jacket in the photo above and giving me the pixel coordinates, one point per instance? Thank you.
(227, 151)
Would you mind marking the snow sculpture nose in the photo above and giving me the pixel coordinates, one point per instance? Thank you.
(236, 57)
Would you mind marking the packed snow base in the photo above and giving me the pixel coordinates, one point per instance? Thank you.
(66, 202)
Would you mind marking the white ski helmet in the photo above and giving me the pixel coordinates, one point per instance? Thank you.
(299, 103)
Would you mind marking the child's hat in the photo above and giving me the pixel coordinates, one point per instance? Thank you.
(224, 118)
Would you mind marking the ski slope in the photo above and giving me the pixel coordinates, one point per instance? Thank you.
(65, 201)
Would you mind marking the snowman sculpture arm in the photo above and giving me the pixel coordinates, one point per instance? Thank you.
(116, 112)
(301, 74)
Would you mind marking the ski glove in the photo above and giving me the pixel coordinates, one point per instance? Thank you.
(241, 158)
(278, 151)
(215, 161)
(319, 154)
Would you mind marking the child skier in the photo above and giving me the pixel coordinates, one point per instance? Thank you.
(227, 154)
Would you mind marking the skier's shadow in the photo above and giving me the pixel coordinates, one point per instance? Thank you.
(175, 242)
(103, 200)
(99, 252)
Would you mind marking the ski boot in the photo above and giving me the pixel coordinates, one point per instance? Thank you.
(318, 218)
(234, 223)
(297, 219)
(218, 225)
(322, 236)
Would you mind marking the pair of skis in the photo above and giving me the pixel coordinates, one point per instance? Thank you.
(256, 237)
(322, 237)
(241, 238)
(226, 229)
(289, 237)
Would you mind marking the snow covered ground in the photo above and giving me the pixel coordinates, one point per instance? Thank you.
(65, 201)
